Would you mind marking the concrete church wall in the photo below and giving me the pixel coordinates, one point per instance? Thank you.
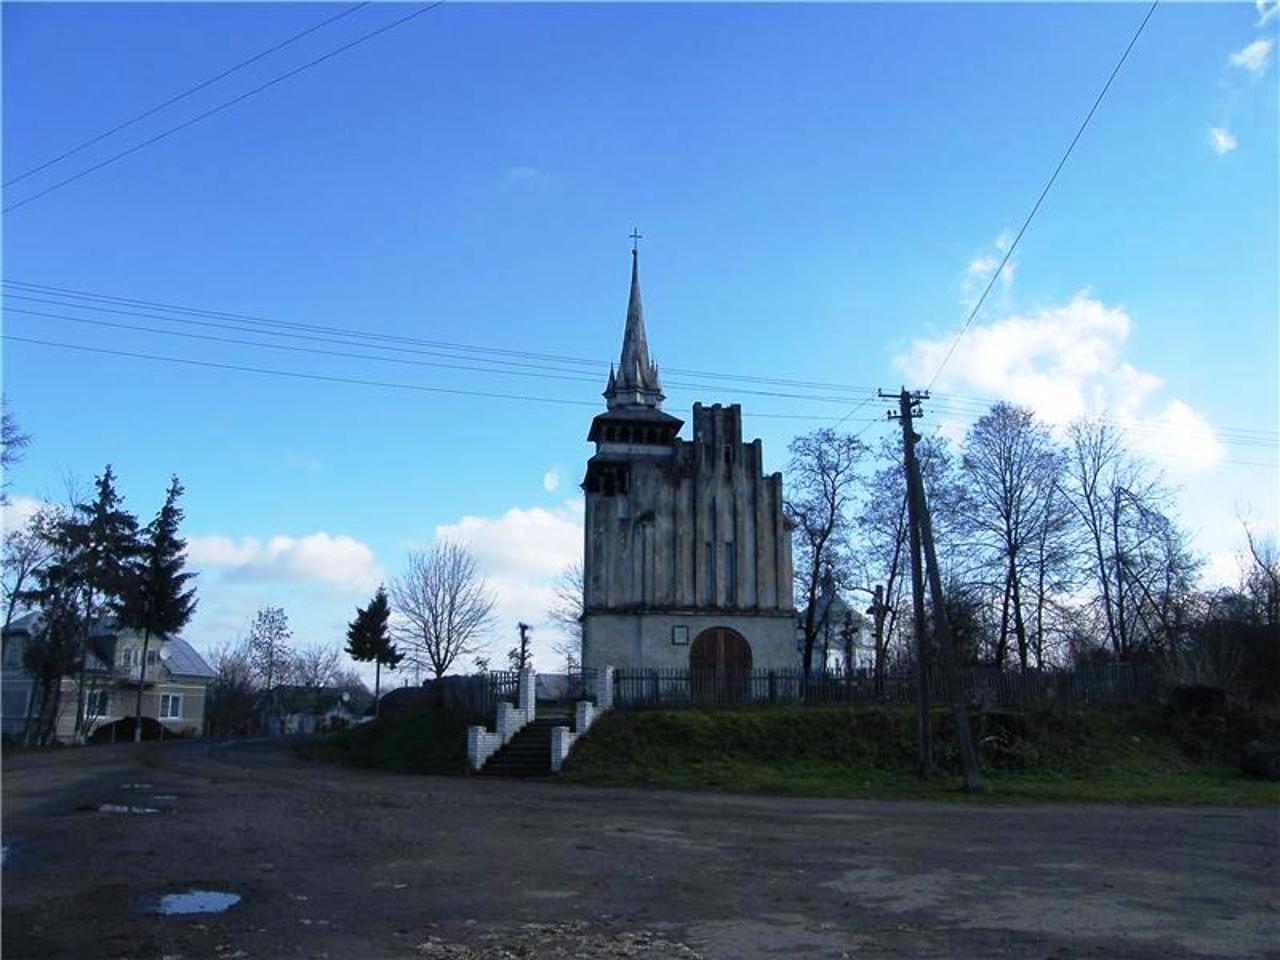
(645, 639)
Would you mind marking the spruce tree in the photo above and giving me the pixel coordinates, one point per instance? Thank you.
(368, 640)
(158, 600)
(101, 545)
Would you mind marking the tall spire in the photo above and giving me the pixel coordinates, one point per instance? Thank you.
(636, 384)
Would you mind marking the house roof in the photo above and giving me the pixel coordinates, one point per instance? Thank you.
(182, 660)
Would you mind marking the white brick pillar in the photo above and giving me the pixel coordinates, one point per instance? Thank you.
(527, 697)
(604, 689)
(561, 744)
(584, 717)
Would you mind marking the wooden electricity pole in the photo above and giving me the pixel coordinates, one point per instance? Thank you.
(922, 534)
(924, 727)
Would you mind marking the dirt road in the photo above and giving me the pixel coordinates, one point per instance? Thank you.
(348, 864)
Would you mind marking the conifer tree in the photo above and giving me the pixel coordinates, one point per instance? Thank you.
(158, 600)
(369, 640)
(100, 545)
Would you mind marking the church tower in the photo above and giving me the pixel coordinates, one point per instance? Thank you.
(687, 559)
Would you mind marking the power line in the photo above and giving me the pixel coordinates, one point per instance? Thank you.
(595, 364)
(1043, 193)
(224, 105)
(482, 354)
(184, 94)
(359, 381)
(535, 371)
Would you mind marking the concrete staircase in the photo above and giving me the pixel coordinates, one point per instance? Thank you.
(528, 753)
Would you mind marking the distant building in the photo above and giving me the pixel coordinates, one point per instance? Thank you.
(173, 693)
(291, 709)
(688, 551)
(830, 612)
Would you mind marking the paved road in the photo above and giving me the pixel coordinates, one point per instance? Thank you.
(339, 863)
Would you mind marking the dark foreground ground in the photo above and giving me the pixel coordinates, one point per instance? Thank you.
(340, 863)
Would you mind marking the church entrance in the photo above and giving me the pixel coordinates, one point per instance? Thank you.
(719, 666)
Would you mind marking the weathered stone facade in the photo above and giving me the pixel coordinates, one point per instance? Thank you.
(681, 536)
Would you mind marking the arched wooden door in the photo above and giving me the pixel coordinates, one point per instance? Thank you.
(719, 666)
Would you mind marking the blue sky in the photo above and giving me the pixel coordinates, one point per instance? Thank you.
(822, 190)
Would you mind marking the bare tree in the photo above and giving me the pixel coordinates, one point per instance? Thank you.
(1012, 469)
(317, 665)
(27, 550)
(270, 656)
(1262, 580)
(1136, 556)
(823, 481)
(444, 607)
(13, 443)
(882, 551)
(232, 695)
(566, 613)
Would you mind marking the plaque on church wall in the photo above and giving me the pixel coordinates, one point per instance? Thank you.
(680, 636)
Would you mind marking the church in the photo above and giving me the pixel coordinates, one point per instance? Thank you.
(687, 558)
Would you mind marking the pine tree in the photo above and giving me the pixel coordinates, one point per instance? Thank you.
(100, 544)
(158, 601)
(369, 640)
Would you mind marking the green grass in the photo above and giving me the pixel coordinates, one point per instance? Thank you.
(1146, 754)
(1098, 754)
(431, 742)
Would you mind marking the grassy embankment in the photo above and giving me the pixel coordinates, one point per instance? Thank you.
(1094, 754)
(434, 741)
(1146, 754)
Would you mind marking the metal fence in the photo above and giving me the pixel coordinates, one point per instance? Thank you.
(982, 685)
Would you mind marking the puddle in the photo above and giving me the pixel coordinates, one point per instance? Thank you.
(135, 786)
(164, 796)
(122, 808)
(193, 901)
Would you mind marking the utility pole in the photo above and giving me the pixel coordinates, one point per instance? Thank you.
(908, 405)
(878, 610)
(922, 533)
(524, 646)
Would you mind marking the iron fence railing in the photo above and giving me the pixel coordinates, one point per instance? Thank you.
(982, 685)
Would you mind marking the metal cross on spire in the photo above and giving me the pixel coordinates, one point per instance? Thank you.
(636, 237)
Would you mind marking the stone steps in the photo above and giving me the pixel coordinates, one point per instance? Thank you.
(528, 754)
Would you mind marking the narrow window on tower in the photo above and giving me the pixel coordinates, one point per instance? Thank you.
(730, 574)
(709, 577)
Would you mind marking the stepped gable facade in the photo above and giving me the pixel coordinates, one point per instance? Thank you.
(687, 558)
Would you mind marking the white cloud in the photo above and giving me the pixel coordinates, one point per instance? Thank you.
(1067, 362)
(1253, 57)
(521, 552)
(1223, 141)
(1266, 9)
(317, 557)
(550, 480)
(15, 514)
(979, 271)
(536, 542)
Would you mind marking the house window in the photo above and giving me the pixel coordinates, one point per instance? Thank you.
(170, 706)
(152, 657)
(97, 703)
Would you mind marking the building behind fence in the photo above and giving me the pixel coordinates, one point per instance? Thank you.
(982, 685)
